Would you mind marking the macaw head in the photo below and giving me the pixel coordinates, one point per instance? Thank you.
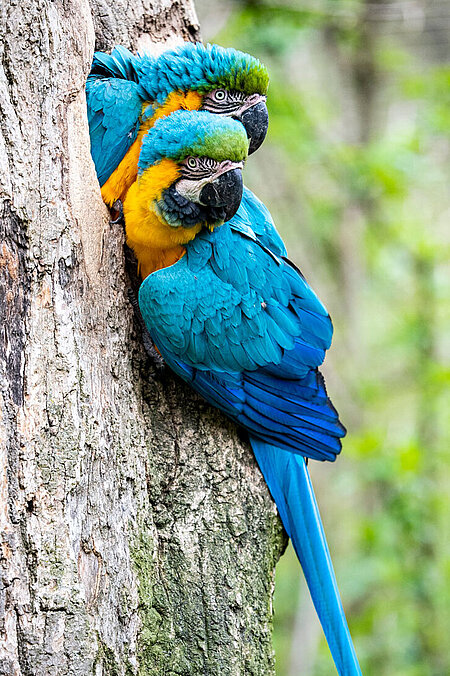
(190, 173)
(228, 82)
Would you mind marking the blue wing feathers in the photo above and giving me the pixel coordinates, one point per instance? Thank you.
(301, 419)
(258, 311)
(114, 104)
(225, 333)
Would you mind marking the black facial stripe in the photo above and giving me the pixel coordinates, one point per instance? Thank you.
(232, 101)
(221, 107)
(178, 210)
(198, 172)
(233, 95)
(205, 167)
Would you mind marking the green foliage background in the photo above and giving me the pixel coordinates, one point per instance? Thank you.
(355, 171)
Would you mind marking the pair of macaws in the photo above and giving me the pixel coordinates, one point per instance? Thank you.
(224, 306)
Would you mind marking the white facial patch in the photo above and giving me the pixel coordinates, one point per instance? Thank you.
(249, 102)
(191, 188)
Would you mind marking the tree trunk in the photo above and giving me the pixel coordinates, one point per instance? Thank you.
(137, 533)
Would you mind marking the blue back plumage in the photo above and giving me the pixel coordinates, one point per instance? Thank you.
(262, 303)
(120, 64)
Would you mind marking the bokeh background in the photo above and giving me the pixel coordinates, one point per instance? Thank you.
(356, 173)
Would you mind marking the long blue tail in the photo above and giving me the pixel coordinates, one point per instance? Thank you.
(288, 480)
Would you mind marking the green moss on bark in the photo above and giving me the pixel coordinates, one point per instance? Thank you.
(205, 572)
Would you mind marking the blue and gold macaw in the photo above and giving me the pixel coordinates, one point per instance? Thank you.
(227, 311)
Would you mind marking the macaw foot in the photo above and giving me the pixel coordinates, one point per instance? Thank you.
(156, 360)
(117, 214)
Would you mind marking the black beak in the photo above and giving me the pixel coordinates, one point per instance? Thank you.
(225, 193)
(255, 121)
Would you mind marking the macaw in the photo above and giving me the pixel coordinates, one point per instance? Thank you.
(237, 320)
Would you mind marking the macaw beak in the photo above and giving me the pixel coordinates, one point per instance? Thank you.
(256, 121)
(225, 191)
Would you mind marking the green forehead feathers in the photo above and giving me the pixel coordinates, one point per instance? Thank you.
(197, 67)
(200, 134)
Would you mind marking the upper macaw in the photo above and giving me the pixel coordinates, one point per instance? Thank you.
(258, 367)
(239, 323)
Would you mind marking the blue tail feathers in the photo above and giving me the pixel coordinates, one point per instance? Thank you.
(288, 480)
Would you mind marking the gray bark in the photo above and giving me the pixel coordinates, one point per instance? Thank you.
(137, 533)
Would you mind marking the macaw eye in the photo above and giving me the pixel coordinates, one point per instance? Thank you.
(220, 94)
(191, 163)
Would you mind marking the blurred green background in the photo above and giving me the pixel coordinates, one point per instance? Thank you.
(355, 171)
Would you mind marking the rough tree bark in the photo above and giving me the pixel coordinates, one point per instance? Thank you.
(137, 533)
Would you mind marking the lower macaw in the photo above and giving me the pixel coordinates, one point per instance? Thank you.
(237, 321)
